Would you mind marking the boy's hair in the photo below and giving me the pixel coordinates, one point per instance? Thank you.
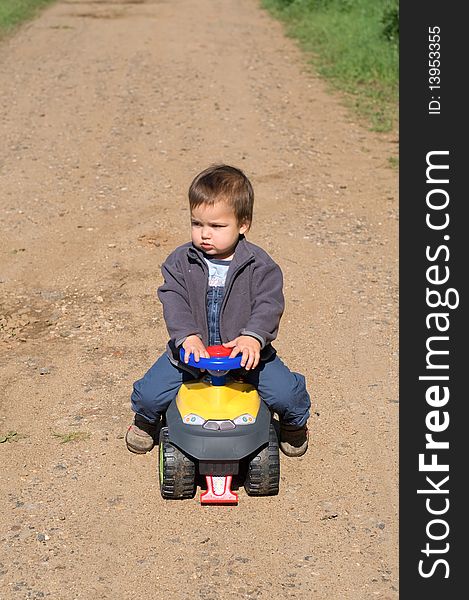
(222, 182)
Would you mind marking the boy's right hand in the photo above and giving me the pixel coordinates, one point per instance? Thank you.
(194, 345)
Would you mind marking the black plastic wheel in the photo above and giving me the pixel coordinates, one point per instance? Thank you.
(177, 471)
(263, 471)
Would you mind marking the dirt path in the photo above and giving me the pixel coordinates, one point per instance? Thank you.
(108, 110)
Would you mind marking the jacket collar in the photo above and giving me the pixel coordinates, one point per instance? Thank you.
(242, 255)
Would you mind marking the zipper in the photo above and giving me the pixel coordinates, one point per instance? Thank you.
(229, 286)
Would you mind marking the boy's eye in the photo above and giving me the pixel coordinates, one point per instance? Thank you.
(213, 225)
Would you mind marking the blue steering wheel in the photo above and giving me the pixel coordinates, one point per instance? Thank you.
(214, 363)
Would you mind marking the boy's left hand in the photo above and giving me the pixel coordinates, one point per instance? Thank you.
(250, 348)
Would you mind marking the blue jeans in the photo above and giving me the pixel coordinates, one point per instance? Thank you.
(282, 390)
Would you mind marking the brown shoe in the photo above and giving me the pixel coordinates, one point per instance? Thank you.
(141, 435)
(293, 439)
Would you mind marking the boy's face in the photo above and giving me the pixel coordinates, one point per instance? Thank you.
(215, 229)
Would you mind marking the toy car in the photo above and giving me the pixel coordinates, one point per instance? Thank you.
(218, 428)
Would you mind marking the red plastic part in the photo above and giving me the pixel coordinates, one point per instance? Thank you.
(219, 350)
(225, 497)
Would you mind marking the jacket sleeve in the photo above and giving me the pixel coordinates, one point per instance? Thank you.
(267, 303)
(174, 297)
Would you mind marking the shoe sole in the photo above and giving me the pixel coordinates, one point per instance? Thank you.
(293, 455)
(137, 451)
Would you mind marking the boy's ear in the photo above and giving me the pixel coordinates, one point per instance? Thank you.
(244, 227)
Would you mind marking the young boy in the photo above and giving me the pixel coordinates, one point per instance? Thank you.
(221, 289)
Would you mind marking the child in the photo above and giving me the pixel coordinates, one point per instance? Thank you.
(221, 289)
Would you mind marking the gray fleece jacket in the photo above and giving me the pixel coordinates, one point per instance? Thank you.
(253, 302)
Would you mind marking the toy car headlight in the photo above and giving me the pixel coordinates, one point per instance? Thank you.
(192, 419)
(245, 419)
(219, 425)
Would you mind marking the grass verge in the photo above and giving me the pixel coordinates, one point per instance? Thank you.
(15, 12)
(355, 45)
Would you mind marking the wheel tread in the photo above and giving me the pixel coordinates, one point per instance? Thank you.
(178, 479)
(263, 474)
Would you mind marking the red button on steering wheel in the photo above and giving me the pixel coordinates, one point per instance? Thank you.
(218, 351)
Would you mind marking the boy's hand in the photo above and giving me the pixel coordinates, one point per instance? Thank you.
(250, 348)
(194, 345)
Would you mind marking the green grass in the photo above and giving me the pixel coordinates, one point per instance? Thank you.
(14, 12)
(354, 44)
(74, 436)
